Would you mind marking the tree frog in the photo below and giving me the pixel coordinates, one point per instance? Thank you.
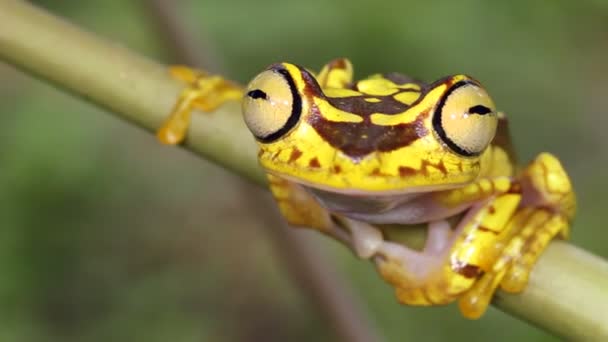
(346, 157)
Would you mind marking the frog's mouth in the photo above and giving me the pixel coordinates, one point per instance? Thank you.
(374, 176)
(397, 190)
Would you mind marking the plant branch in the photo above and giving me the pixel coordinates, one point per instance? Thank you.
(568, 290)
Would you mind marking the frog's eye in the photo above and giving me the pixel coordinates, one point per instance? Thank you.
(272, 105)
(465, 118)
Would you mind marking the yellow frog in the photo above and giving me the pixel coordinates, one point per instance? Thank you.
(346, 157)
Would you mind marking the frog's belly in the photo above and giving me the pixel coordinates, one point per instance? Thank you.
(410, 208)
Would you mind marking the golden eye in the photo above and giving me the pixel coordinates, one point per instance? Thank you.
(272, 105)
(465, 118)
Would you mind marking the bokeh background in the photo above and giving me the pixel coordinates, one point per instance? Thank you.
(105, 235)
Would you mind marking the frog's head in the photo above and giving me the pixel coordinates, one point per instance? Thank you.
(359, 143)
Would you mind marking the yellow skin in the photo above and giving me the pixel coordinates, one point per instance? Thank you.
(344, 157)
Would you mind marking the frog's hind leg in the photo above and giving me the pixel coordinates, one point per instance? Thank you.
(205, 92)
(336, 74)
(301, 210)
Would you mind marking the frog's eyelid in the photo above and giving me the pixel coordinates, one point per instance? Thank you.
(438, 118)
(296, 109)
(438, 125)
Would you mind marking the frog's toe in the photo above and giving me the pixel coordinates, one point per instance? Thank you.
(406, 270)
(532, 247)
(186, 74)
(419, 278)
(438, 237)
(365, 239)
(474, 303)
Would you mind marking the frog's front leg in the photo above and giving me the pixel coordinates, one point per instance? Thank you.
(301, 209)
(205, 92)
(547, 207)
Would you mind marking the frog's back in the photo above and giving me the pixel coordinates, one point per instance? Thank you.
(393, 94)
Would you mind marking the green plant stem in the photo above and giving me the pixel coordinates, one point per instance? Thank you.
(568, 290)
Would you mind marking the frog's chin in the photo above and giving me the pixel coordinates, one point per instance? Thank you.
(355, 191)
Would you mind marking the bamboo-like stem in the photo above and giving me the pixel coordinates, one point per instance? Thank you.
(568, 290)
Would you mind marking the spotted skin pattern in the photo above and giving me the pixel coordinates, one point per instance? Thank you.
(346, 157)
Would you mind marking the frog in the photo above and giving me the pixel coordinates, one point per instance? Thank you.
(349, 157)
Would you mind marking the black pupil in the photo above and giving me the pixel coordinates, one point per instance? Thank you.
(479, 109)
(257, 94)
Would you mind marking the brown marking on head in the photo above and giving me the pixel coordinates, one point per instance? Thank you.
(276, 154)
(466, 270)
(359, 106)
(406, 171)
(515, 188)
(337, 169)
(311, 86)
(441, 167)
(339, 63)
(346, 136)
(295, 154)
(378, 173)
(486, 229)
(460, 167)
(314, 163)
(491, 210)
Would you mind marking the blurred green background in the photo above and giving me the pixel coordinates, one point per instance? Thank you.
(106, 235)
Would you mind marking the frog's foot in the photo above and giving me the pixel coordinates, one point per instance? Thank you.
(547, 188)
(300, 209)
(545, 183)
(532, 241)
(205, 92)
(547, 206)
(423, 277)
(362, 237)
(534, 228)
